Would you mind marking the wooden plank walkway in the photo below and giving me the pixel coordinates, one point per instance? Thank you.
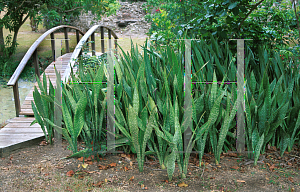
(50, 73)
(60, 65)
(18, 133)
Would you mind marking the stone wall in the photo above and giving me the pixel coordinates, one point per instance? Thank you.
(129, 20)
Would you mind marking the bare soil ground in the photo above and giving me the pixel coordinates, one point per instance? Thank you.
(40, 168)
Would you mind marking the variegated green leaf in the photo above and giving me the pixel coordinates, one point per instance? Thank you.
(79, 115)
(258, 149)
(171, 164)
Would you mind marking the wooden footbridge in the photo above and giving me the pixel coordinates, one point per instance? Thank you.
(18, 133)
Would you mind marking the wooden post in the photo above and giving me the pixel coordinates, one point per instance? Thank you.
(93, 44)
(66, 40)
(87, 45)
(17, 99)
(109, 41)
(116, 50)
(36, 63)
(102, 39)
(77, 38)
(53, 45)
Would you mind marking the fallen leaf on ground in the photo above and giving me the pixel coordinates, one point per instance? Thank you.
(131, 178)
(4, 168)
(123, 155)
(112, 164)
(230, 154)
(241, 181)
(11, 158)
(125, 169)
(89, 163)
(80, 176)
(212, 177)
(291, 179)
(130, 163)
(273, 148)
(142, 186)
(70, 173)
(84, 165)
(80, 159)
(43, 143)
(78, 165)
(102, 167)
(182, 184)
(234, 167)
(272, 167)
(98, 184)
(92, 172)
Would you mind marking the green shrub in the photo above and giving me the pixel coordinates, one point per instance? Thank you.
(150, 107)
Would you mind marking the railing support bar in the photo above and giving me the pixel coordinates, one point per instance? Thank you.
(102, 39)
(52, 45)
(93, 44)
(66, 40)
(36, 63)
(78, 39)
(17, 99)
(109, 39)
(77, 36)
(116, 50)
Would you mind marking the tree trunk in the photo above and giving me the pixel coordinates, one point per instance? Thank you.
(33, 24)
(16, 31)
(1, 42)
(14, 42)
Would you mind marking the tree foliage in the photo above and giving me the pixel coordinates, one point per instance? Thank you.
(15, 13)
(65, 11)
(264, 21)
